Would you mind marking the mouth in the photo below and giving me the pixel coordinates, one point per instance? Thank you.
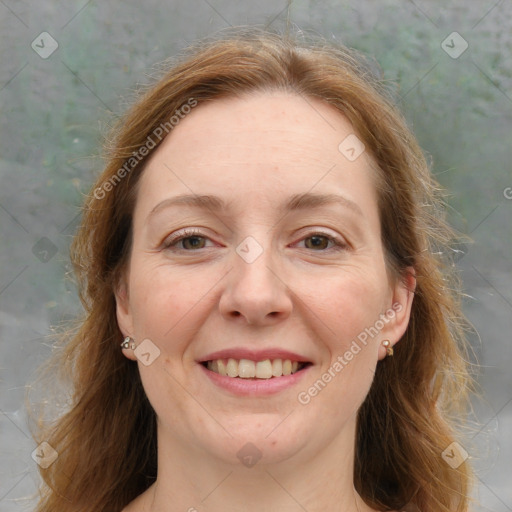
(255, 370)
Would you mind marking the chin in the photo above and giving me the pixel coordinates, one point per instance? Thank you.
(261, 439)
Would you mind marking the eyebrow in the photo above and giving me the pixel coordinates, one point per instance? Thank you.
(295, 202)
(311, 200)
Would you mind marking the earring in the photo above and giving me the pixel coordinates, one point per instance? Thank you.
(128, 343)
(389, 348)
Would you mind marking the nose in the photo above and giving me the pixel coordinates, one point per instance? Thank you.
(255, 293)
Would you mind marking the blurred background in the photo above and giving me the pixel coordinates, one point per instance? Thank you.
(69, 68)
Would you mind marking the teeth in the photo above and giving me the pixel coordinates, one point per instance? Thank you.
(277, 367)
(264, 369)
(231, 368)
(247, 369)
(220, 366)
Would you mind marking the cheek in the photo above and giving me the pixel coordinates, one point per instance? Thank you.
(348, 305)
(161, 299)
(348, 309)
(166, 305)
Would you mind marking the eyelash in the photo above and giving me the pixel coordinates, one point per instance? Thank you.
(186, 233)
(339, 245)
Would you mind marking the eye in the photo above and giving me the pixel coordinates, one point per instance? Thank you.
(189, 239)
(321, 242)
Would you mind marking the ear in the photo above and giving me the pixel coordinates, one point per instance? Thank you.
(399, 311)
(124, 315)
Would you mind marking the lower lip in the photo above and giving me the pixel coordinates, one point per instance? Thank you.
(255, 387)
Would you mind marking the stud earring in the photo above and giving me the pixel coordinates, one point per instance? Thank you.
(389, 348)
(128, 343)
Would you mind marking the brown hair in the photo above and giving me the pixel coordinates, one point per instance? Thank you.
(106, 438)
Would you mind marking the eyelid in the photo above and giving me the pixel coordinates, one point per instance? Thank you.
(179, 235)
(339, 242)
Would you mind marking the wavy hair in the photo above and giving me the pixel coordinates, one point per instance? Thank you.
(106, 435)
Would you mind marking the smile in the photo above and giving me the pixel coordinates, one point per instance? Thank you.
(248, 369)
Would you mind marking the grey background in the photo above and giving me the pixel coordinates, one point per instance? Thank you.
(55, 110)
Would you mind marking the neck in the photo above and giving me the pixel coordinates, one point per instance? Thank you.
(193, 481)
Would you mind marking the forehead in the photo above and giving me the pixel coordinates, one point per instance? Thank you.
(256, 147)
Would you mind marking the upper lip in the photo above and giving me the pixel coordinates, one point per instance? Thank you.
(254, 355)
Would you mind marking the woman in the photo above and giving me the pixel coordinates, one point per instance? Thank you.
(270, 321)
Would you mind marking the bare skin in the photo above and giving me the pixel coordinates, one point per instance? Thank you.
(320, 281)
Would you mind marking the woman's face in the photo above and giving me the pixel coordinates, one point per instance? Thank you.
(256, 237)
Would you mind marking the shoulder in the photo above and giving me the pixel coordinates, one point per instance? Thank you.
(137, 505)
